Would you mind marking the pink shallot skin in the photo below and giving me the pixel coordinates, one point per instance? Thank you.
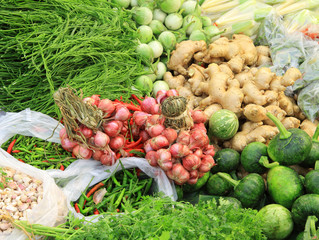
(207, 162)
(147, 146)
(67, 144)
(198, 116)
(183, 137)
(164, 159)
(93, 100)
(62, 133)
(108, 158)
(178, 173)
(198, 139)
(121, 113)
(107, 106)
(139, 118)
(209, 150)
(152, 157)
(101, 139)
(191, 162)
(144, 135)
(159, 142)
(179, 150)
(87, 132)
(161, 95)
(155, 130)
(147, 104)
(97, 154)
(170, 134)
(172, 92)
(82, 152)
(117, 142)
(112, 128)
(200, 126)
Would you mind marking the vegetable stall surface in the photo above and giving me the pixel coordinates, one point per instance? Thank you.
(162, 218)
(19, 193)
(51, 44)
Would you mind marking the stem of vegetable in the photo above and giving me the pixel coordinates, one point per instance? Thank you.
(317, 165)
(229, 179)
(265, 162)
(316, 135)
(284, 134)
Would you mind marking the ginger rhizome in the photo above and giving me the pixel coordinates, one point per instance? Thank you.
(234, 74)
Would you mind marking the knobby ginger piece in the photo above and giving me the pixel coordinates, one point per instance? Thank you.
(174, 81)
(197, 77)
(251, 132)
(309, 126)
(254, 112)
(291, 122)
(277, 112)
(211, 109)
(290, 76)
(183, 54)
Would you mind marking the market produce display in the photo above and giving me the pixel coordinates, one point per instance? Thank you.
(167, 119)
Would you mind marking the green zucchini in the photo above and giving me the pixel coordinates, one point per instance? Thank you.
(314, 152)
(304, 206)
(251, 158)
(227, 160)
(223, 124)
(284, 185)
(188, 188)
(288, 147)
(217, 185)
(249, 190)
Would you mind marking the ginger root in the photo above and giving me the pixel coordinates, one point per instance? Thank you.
(309, 126)
(183, 54)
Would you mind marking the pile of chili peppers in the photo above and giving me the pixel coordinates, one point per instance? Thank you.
(118, 193)
(38, 153)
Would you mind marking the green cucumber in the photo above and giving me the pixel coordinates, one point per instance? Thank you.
(288, 147)
(284, 185)
(249, 190)
(227, 160)
(304, 206)
(188, 188)
(314, 152)
(217, 185)
(251, 158)
(223, 124)
(312, 180)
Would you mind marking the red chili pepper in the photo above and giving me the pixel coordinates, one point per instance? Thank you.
(134, 144)
(45, 161)
(118, 155)
(138, 172)
(132, 107)
(93, 189)
(118, 210)
(96, 212)
(62, 167)
(121, 97)
(215, 24)
(16, 151)
(137, 99)
(77, 209)
(9, 150)
(21, 160)
(73, 155)
(135, 149)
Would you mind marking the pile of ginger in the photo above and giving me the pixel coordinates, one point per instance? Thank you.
(233, 74)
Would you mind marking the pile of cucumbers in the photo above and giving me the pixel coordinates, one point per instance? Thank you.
(287, 199)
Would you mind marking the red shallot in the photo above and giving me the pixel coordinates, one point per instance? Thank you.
(147, 104)
(191, 162)
(82, 152)
(101, 139)
(117, 142)
(178, 173)
(152, 157)
(179, 150)
(170, 134)
(159, 142)
(112, 128)
(164, 159)
(107, 106)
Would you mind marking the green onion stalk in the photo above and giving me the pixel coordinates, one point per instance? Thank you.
(85, 44)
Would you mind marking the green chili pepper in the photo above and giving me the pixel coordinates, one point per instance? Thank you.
(139, 195)
(148, 185)
(119, 199)
(139, 187)
(115, 181)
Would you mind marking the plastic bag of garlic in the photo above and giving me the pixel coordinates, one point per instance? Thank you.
(31, 194)
(81, 173)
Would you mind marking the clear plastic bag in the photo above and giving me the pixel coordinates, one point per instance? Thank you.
(52, 209)
(81, 173)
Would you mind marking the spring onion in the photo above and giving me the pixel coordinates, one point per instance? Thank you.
(168, 40)
(159, 85)
(144, 33)
(170, 6)
(157, 48)
(142, 15)
(160, 70)
(159, 15)
(173, 21)
(157, 27)
(191, 7)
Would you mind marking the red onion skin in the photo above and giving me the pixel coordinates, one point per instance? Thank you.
(172, 92)
(155, 130)
(191, 162)
(112, 128)
(159, 142)
(139, 118)
(147, 104)
(183, 137)
(82, 152)
(101, 139)
(161, 96)
(147, 146)
(67, 144)
(156, 109)
(121, 113)
(93, 100)
(198, 116)
(87, 132)
(170, 134)
(198, 152)
(152, 157)
(164, 159)
(144, 135)
(107, 106)
(97, 154)
(192, 181)
(135, 130)
(178, 173)
(209, 150)
(124, 130)
(117, 142)
(108, 158)
(179, 150)
(198, 139)
(207, 162)
(63, 133)
(200, 126)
